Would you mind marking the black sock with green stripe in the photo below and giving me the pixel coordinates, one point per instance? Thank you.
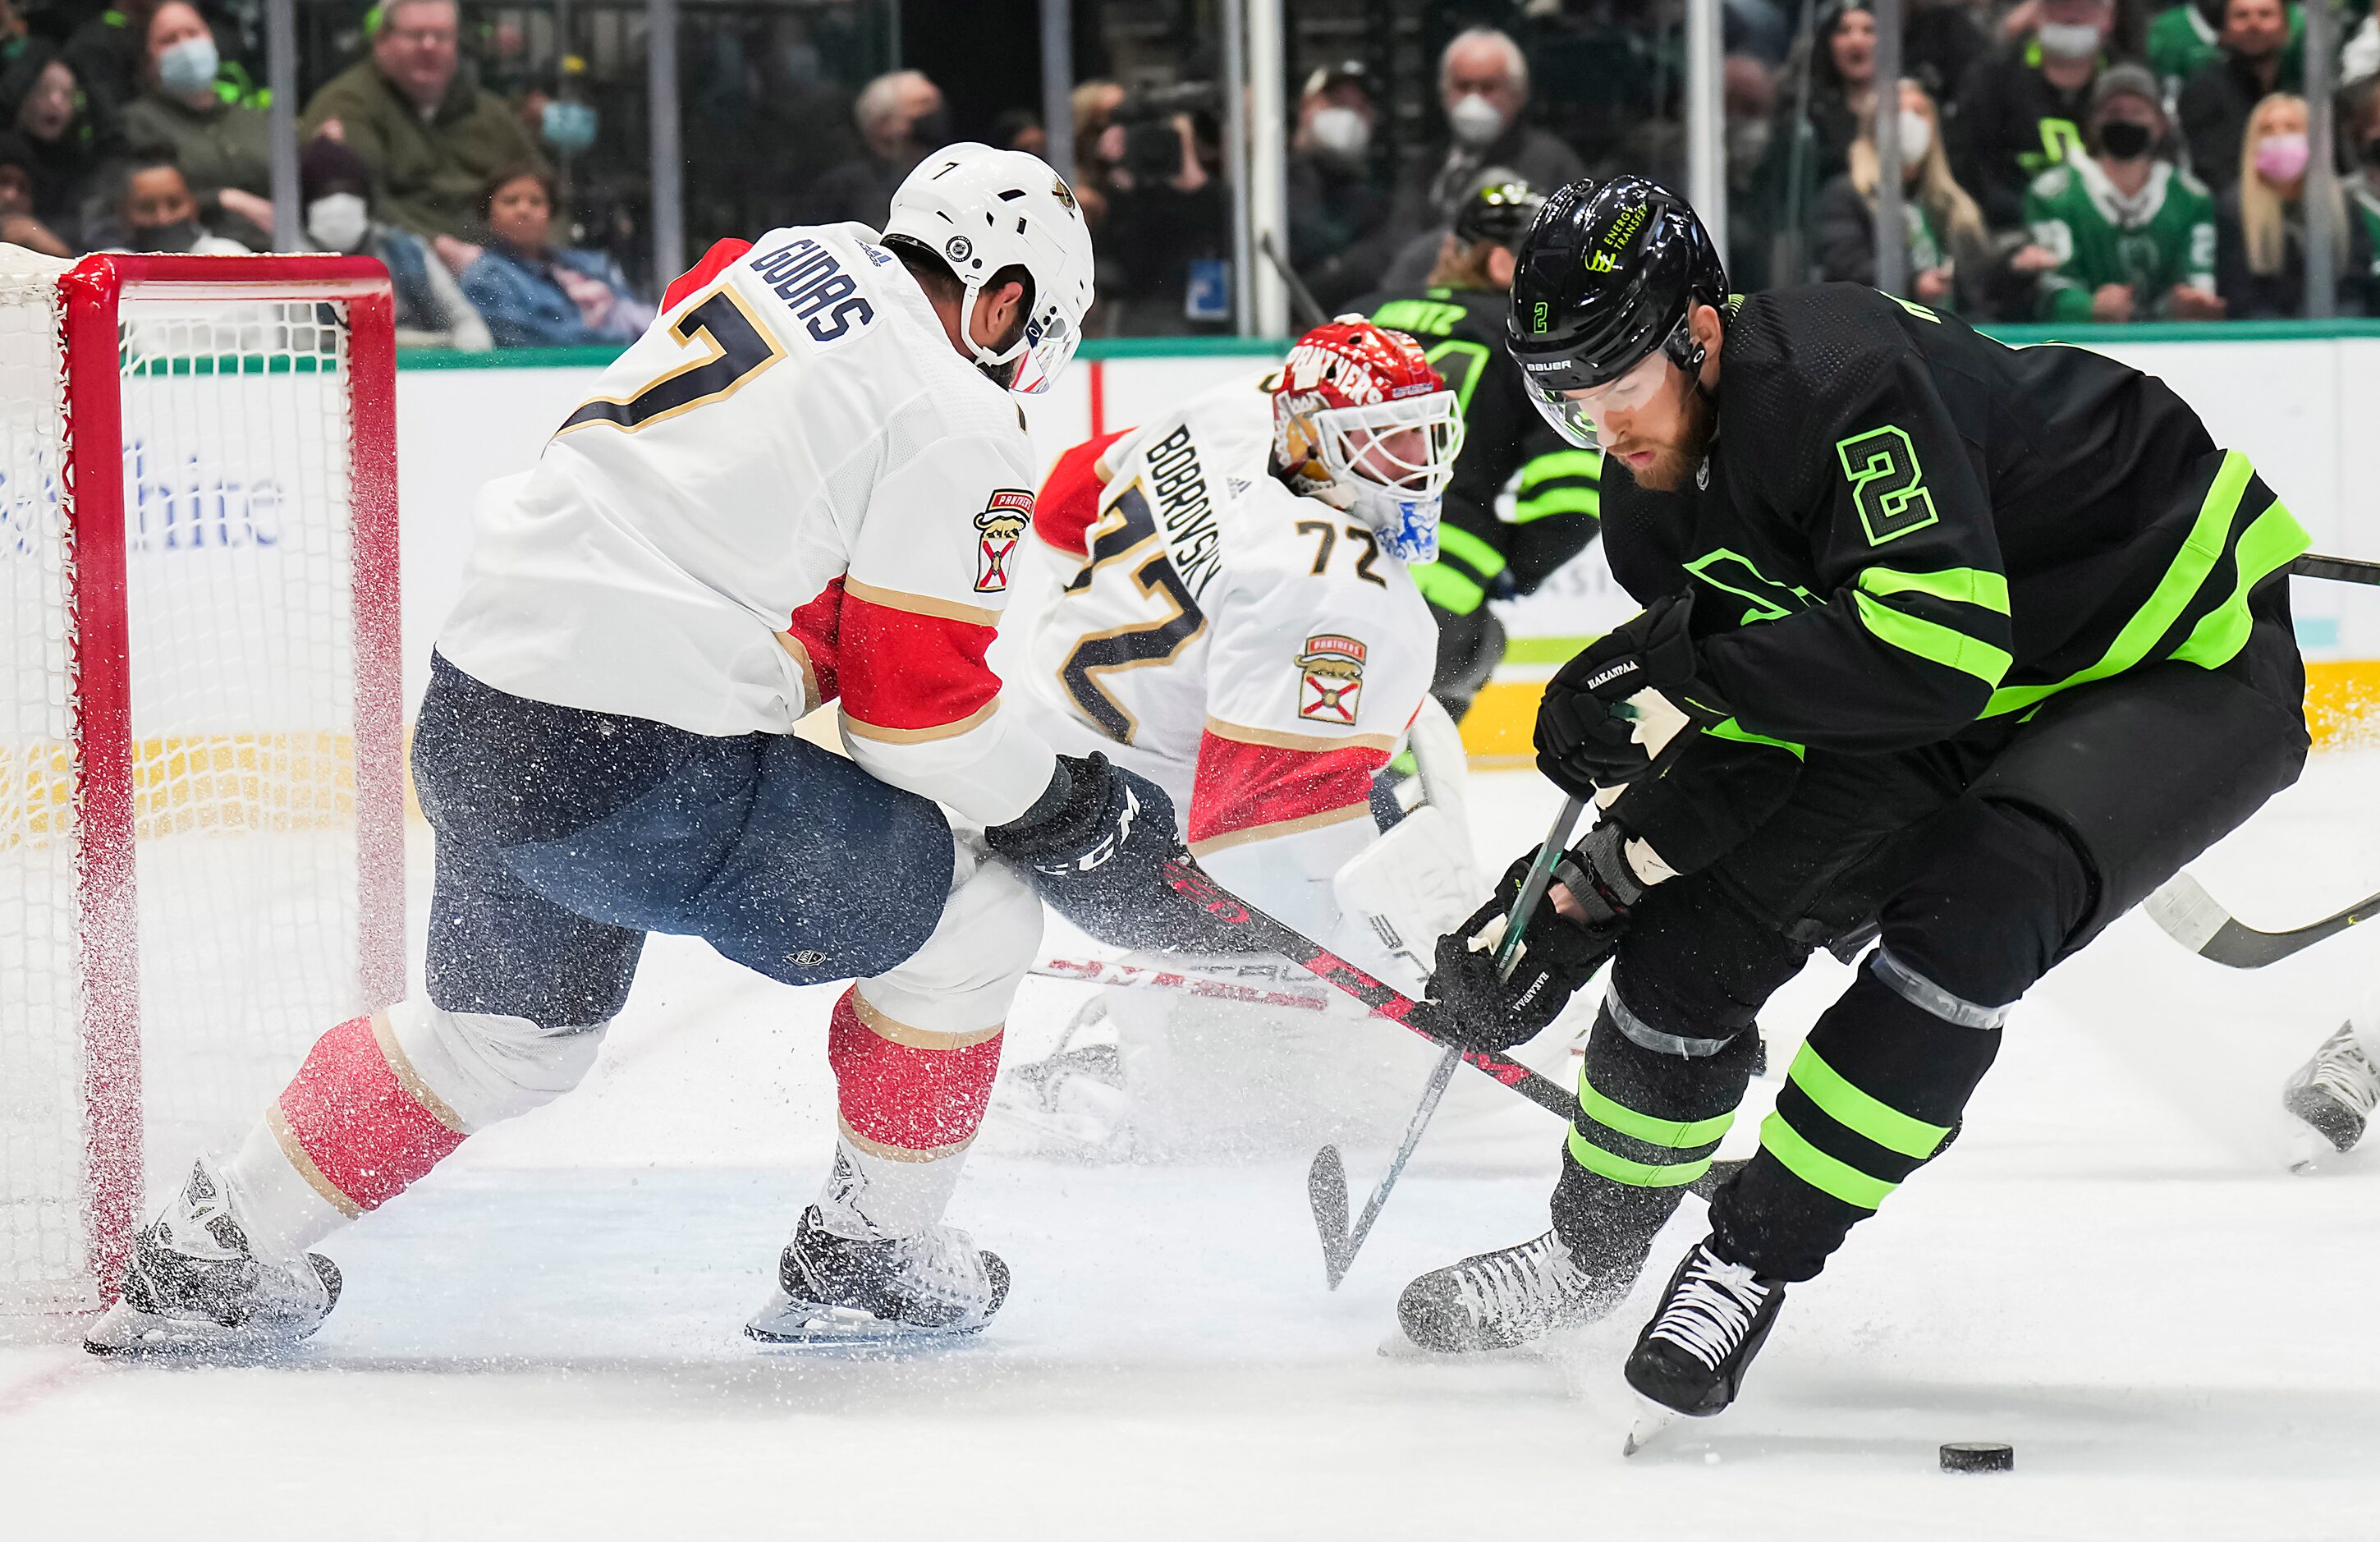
(1874, 1094)
(1647, 1124)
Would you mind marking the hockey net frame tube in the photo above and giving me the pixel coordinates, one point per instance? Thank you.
(99, 664)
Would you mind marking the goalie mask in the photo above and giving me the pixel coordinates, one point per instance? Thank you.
(1363, 424)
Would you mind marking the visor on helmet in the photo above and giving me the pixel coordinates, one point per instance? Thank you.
(1577, 415)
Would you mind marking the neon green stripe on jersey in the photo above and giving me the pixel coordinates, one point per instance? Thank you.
(1966, 586)
(2200, 552)
(1471, 551)
(1730, 729)
(1559, 499)
(1933, 642)
(1448, 588)
(1562, 463)
(2267, 545)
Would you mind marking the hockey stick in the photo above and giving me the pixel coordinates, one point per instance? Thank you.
(1298, 292)
(1187, 979)
(1326, 1181)
(2188, 915)
(1235, 926)
(2345, 570)
(1231, 925)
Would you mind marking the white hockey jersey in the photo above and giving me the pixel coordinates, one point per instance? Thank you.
(1257, 654)
(791, 490)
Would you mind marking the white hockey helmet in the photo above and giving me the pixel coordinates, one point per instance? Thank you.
(980, 210)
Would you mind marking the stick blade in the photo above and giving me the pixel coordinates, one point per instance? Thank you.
(1326, 1190)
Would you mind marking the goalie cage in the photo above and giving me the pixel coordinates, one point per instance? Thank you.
(202, 837)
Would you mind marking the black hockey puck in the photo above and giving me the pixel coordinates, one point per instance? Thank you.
(1978, 1456)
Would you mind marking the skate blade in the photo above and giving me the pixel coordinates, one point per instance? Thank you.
(785, 1323)
(127, 1332)
(1652, 1419)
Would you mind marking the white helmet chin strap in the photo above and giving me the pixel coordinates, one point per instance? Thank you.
(983, 356)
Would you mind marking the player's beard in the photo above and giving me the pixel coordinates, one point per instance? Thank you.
(1675, 463)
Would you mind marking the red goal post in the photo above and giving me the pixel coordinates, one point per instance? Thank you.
(200, 741)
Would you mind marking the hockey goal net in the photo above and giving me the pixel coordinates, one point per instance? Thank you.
(202, 840)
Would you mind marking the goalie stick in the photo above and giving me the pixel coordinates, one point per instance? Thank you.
(2188, 915)
(1326, 1180)
(1212, 981)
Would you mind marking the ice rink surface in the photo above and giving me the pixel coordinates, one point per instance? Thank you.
(2111, 1271)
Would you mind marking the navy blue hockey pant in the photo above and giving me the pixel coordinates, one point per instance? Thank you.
(565, 835)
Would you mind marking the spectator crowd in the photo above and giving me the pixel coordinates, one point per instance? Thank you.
(2061, 160)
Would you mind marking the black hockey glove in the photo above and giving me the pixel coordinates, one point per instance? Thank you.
(1586, 735)
(1092, 844)
(1469, 1005)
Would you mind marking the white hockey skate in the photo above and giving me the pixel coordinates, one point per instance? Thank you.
(2331, 1097)
(196, 1288)
(1074, 1096)
(1511, 1296)
(896, 1291)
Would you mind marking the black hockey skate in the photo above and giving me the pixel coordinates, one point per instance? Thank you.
(1713, 1319)
(894, 1291)
(195, 1288)
(1511, 1296)
(2333, 1092)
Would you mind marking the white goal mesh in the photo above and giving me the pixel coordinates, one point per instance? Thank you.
(257, 866)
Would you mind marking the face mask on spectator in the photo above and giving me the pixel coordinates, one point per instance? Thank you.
(1916, 136)
(2124, 139)
(1474, 120)
(568, 126)
(188, 66)
(1341, 134)
(2281, 157)
(930, 128)
(180, 236)
(338, 221)
(2067, 40)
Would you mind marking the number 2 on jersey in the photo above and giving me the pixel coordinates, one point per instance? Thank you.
(737, 348)
(1133, 526)
(1887, 484)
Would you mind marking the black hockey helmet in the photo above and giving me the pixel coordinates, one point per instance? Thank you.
(1499, 209)
(1606, 275)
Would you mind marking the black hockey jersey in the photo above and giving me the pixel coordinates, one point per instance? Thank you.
(1904, 526)
(1556, 499)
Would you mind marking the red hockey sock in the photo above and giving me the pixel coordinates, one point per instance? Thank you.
(907, 1093)
(357, 1123)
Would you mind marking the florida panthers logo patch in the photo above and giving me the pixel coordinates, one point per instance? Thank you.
(999, 529)
(1332, 687)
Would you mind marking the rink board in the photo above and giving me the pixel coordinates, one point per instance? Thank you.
(2296, 397)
